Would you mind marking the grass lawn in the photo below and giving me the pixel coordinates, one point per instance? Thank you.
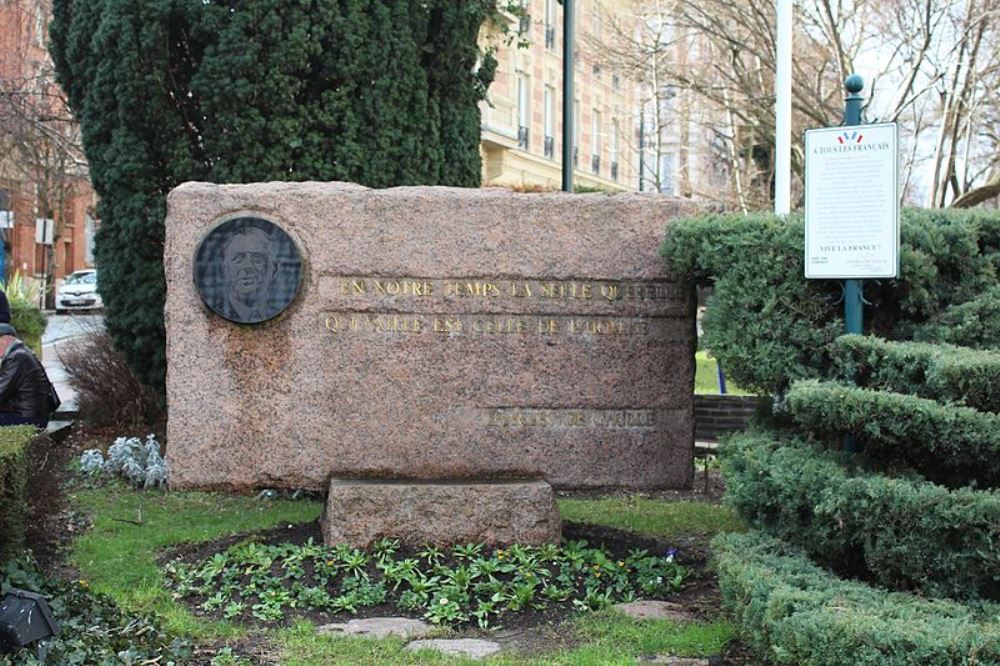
(706, 378)
(117, 556)
(652, 517)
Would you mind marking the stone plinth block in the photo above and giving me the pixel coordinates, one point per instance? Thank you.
(424, 333)
(443, 514)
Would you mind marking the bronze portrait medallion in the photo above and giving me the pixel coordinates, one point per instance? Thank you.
(247, 270)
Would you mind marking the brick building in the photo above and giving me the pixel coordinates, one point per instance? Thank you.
(43, 175)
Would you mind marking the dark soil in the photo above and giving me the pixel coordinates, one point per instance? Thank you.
(52, 525)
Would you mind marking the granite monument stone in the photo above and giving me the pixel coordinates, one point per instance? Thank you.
(445, 346)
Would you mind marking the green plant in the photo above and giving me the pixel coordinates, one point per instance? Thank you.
(25, 317)
(903, 533)
(769, 326)
(939, 371)
(92, 628)
(308, 88)
(14, 443)
(793, 612)
(266, 581)
(975, 323)
(957, 446)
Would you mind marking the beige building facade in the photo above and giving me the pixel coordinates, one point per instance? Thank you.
(522, 116)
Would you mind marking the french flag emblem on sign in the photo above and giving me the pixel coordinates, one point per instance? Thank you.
(848, 137)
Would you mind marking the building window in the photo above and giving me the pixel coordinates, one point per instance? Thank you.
(614, 150)
(577, 131)
(667, 173)
(616, 82)
(524, 22)
(596, 70)
(523, 119)
(595, 141)
(550, 24)
(549, 120)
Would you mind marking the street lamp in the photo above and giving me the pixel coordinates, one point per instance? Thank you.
(567, 156)
(25, 618)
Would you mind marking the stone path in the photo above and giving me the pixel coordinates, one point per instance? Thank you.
(473, 648)
(379, 627)
(656, 610)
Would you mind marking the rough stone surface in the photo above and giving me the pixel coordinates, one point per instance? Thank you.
(362, 512)
(415, 350)
(380, 627)
(646, 609)
(473, 648)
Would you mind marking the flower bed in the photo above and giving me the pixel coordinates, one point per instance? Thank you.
(461, 585)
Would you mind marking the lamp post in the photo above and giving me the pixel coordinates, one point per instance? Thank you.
(567, 96)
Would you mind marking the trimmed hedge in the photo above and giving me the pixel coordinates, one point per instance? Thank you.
(957, 445)
(939, 371)
(975, 323)
(793, 612)
(769, 326)
(905, 534)
(13, 485)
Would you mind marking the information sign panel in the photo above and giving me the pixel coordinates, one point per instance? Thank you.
(852, 202)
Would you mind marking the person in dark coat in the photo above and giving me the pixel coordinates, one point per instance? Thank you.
(25, 391)
(4, 307)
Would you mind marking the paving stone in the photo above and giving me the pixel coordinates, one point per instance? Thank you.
(671, 660)
(645, 609)
(473, 648)
(379, 627)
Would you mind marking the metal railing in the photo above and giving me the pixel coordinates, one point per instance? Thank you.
(595, 163)
(522, 137)
(576, 157)
(614, 171)
(550, 146)
(550, 37)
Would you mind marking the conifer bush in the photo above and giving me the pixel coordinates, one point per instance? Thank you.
(380, 92)
(769, 326)
(943, 372)
(794, 612)
(888, 534)
(901, 532)
(953, 445)
(14, 441)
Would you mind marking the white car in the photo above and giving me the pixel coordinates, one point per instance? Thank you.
(79, 292)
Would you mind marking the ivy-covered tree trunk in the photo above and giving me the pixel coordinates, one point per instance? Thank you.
(378, 92)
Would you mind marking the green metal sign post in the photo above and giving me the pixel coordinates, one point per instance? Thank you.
(853, 293)
(854, 306)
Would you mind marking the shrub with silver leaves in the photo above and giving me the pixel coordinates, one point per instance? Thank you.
(140, 463)
(92, 462)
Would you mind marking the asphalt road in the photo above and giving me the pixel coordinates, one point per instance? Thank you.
(64, 327)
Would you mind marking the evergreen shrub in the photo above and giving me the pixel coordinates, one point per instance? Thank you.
(380, 92)
(794, 612)
(14, 442)
(949, 444)
(975, 323)
(903, 533)
(939, 371)
(769, 326)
